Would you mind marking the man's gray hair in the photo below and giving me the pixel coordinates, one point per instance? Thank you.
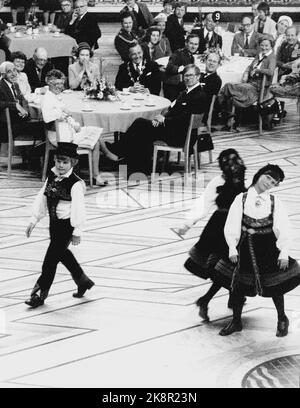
(192, 66)
(5, 66)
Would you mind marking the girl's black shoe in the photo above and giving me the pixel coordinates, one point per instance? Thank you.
(34, 301)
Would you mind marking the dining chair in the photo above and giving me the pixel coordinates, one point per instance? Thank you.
(80, 150)
(18, 141)
(2, 56)
(194, 123)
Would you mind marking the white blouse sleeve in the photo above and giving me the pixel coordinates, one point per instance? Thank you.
(282, 229)
(205, 203)
(78, 215)
(39, 207)
(50, 111)
(233, 225)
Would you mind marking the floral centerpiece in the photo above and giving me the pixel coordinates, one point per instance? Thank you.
(101, 89)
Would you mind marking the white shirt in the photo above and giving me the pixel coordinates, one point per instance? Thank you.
(281, 224)
(248, 36)
(205, 32)
(192, 87)
(10, 87)
(74, 209)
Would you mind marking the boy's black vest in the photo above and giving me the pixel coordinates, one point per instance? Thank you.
(58, 190)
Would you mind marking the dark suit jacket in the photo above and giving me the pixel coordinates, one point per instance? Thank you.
(178, 116)
(33, 79)
(175, 33)
(239, 40)
(62, 20)
(178, 58)
(145, 13)
(85, 30)
(150, 78)
(215, 40)
(123, 41)
(7, 100)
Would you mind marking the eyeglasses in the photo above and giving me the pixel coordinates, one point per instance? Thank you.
(188, 75)
(246, 25)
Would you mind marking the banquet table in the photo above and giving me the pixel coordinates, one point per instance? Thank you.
(229, 71)
(113, 116)
(56, 45)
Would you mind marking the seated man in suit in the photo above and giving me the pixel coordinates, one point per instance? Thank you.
(175, 27)
(177, 61)
(136, 146)
(12, 98)
(37, 67)
(207, 36)
(138, 74)
(245, 43)
(83, 26)
(141, 16)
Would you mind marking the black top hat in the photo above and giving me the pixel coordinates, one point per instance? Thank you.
(66, 149)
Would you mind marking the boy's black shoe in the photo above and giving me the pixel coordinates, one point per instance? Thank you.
(231, 327)
(83, 288)
(282, 327)
(34, 301)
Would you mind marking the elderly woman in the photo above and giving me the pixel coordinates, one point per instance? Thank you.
(288, 55)
(63, 18)
(19, 61)
(154, 45)
(53, 108)
(288, 87)
(83, 70)
(243, 95)
(283, 23)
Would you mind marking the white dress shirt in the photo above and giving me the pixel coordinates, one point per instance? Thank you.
(74, 209)
(205, 32)
(281, 224)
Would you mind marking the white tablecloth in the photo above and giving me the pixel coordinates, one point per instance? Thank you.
(110, 115)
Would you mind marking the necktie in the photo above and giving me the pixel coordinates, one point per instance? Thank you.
(39, 73)
(137, 68)
(246, 45)
(14, 91)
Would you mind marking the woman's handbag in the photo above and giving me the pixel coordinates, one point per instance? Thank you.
(269, 106)
(205, 142)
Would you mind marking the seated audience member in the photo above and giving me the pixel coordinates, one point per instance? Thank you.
(12, 98)
(83, 26)
(53, 108)
(288, 86)
(126, 38)
(15, 5)
(37, 67)
(178, 60)
(83, 70)
(245, 43)
(154, 46)
(288, 55)
(264, 23)
(49, 7)
(254, 10)
(243, 95)
(19, 61)
(142, 18)
(160, 21)
(138, 74)
(207, 37)
(175, 27)
(63, 18)
(283, 23)
(168, 7)
(170, 128)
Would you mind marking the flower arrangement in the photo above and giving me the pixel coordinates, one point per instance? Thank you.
(101, 89)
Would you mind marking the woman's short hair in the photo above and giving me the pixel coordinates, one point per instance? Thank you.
(263, 6)
(83, 46)
(54, 74)
(150, 31)
(267, 37)
(168, 2)
(272, 170)
(125, 14)
(18, 55)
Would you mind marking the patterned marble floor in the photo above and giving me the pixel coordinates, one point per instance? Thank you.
(139, 327)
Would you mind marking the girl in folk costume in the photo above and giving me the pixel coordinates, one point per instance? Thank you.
(257, 232)
(219, 194)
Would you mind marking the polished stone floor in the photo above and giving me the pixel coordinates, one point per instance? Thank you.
(139, 327)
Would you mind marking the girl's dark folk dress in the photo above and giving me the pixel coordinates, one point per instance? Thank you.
(257, 271)
(212, 245)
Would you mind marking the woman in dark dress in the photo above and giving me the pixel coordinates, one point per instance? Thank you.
(219, 193)
(257, 232)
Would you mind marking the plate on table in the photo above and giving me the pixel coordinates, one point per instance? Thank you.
(66, 91)
(125, 93)
(56, 35)
(125, 108)
(138, 98)
(136, 105)
(87, 109)
(149, 104)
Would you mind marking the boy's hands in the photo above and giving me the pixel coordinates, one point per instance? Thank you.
(76, 240)
(29, 229)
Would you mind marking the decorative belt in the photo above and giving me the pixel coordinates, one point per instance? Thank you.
(261, 231)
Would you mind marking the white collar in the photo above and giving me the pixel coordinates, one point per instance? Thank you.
(249, 35)
(61, 176)
(81, 17)
(207, 32)
(8, 83)
(266, 55)
(253, 193)
(193, 87)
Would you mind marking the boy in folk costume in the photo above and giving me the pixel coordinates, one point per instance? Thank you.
(63, 196)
